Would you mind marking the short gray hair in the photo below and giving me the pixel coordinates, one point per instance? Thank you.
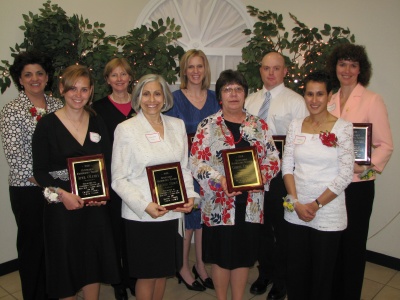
(137, 92)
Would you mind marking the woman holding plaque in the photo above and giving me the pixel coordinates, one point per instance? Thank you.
(79, 245)
(351, 70)
(317, 166)
(150, 140)
(32, 73)
(114, 109)
(192, 103)
(231, 220)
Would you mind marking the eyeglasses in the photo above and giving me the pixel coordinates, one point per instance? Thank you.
(229, 90)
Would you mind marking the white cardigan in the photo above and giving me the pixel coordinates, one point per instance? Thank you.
(137, 146)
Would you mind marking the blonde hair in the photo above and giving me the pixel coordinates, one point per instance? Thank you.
(183, 65)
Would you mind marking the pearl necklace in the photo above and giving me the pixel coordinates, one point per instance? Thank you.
(124, 101)
(156, 123)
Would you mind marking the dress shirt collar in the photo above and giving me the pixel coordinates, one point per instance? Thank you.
(275, 91)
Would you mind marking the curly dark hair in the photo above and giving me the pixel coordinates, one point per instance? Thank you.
(350, 52)
(30, 58)
(229, 77)
(320, 77)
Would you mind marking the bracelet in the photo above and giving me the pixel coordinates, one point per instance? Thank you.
(51, 194)
(289, 203)
(318, 203)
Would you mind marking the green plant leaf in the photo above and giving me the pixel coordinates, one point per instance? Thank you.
(305, 45)
(73, 39)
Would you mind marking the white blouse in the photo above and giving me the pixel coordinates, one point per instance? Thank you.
(316, 167)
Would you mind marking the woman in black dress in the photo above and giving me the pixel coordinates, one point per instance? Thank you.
(114, 109)
(79, 246)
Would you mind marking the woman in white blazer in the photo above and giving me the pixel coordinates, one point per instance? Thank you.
(149, 139)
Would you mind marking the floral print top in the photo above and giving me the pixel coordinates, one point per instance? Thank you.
(207, 167)
(18, 120)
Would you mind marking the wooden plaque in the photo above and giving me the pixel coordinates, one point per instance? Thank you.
(242, 170)
(88, 177)
(190, 141)
(362, 136)
(279, 141)
(167, 185)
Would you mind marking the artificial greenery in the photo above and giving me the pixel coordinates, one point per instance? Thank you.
(305, 49)
(74, 40)
(150, 50)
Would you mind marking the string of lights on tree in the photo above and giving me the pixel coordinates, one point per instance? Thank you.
(154, 49)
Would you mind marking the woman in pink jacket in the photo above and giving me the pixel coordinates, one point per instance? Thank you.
(351, 70)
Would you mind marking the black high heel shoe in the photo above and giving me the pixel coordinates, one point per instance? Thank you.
(196, 286)
(208, 283)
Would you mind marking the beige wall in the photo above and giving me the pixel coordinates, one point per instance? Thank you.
(374, 23)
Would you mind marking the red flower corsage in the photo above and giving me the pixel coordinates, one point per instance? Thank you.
(328, 139)
(37, 113)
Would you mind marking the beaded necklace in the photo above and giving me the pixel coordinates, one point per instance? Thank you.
(231, 134)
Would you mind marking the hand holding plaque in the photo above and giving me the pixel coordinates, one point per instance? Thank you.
(242, 170)
(88, 177)
(167, 185)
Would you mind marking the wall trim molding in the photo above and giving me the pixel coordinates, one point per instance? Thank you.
(383, 260)
(9, 267)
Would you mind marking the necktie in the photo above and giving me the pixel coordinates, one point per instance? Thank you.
(263, 113)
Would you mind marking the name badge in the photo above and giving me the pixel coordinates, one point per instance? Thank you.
(95, 137)
(331, 107)
(153, 137)
(299, 139)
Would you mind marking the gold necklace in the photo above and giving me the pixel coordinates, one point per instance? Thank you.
(72, 123)
(319, 124)
(193, 98)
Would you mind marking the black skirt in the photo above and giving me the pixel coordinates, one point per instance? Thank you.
(79, 248)
(154, 248)
(234, 246)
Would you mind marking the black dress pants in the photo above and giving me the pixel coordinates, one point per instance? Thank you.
(118, 228)
(350, 266)
(272, 246)
(27, 204)
(311, 262)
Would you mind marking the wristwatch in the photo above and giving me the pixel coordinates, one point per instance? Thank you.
(319, 204)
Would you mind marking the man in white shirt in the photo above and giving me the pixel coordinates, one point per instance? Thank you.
(281, 106)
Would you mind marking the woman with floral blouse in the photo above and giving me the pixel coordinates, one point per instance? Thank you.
(32, 73)
(231, 221)
(317, 166)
